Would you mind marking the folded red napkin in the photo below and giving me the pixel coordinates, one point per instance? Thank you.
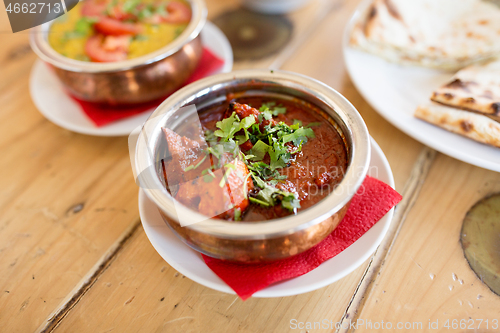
(102, 115)
(372, 201)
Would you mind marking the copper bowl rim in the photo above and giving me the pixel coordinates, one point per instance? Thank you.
(341, 110)
(40, 45)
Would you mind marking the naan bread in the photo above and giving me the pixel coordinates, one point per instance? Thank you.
(475, 88)
(446, 34)
(469, 124)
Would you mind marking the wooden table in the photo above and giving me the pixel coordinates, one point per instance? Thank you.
(74, 257)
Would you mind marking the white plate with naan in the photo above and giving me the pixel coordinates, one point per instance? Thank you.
(395, 91)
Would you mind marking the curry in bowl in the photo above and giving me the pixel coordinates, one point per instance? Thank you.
(253, 165)
(254, 159)
(117, 30)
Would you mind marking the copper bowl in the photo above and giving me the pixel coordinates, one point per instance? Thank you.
(133, 81)
(262, 240)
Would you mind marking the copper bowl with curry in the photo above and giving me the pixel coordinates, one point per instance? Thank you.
(253, 165)
(123, 51)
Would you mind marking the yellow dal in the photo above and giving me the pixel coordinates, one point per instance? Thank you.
(154, 37)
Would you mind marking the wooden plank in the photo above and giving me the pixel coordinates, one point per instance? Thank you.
(72, 204)
(425, 276)
(410, 194)
(140, 292)
(65, 199)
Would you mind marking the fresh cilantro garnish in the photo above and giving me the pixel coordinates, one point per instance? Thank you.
(83, 28)
(313, 125)
(229, 167)
(296, 124)
(278, 141)
(271, 196)
(290, 202)
(280, 156)
(130, 5)
(146, 12)
(268, 110)
(229, 126)
(161, 10)
(192, 167)
(141, 37)
(259, 150)
(84, 25)
(299, 136)
(110, 7)
(237, 214)
(208, 175)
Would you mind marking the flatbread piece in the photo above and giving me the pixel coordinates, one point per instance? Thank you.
(446, 34)
(475, 88)
(469, 124)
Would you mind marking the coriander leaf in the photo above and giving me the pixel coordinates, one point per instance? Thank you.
(237, 214)
(259, 150)
(208, 178)
(242, 138)
(290, 202)
(296, 124)
(279, 109)
(267, 115)
(110, 6)
(229, 126)
(266, 195)
(141, 37)
(145, 13)
(270, 196)
(192, 167)
(299, 136)
(248, 156)
(257, 201)
(279, 156)
(130, 5)
(313, 125)
(84, 25)
(267, 106)
(244, 125)
(216, 150)
(161, 10)
(247, 122)
(229, 167)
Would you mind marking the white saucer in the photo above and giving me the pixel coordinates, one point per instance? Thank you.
(51, 100)
(395, 91)
(190, 263)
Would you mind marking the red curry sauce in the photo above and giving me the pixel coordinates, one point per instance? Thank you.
(312, 173)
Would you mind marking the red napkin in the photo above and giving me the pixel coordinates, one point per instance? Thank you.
(104, 114)
(372, 201)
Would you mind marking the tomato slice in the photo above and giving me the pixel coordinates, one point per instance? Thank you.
(118, 13)
(178, 13)
(109, 26)
(93, 8)
(102, 49)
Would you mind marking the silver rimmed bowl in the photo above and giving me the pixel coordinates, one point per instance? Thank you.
(261, 240)
(132, 81)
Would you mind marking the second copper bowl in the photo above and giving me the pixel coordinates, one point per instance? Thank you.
(133, 81)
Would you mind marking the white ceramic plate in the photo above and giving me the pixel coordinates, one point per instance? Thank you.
(51, 100)
(395, 91)
(190, 263)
